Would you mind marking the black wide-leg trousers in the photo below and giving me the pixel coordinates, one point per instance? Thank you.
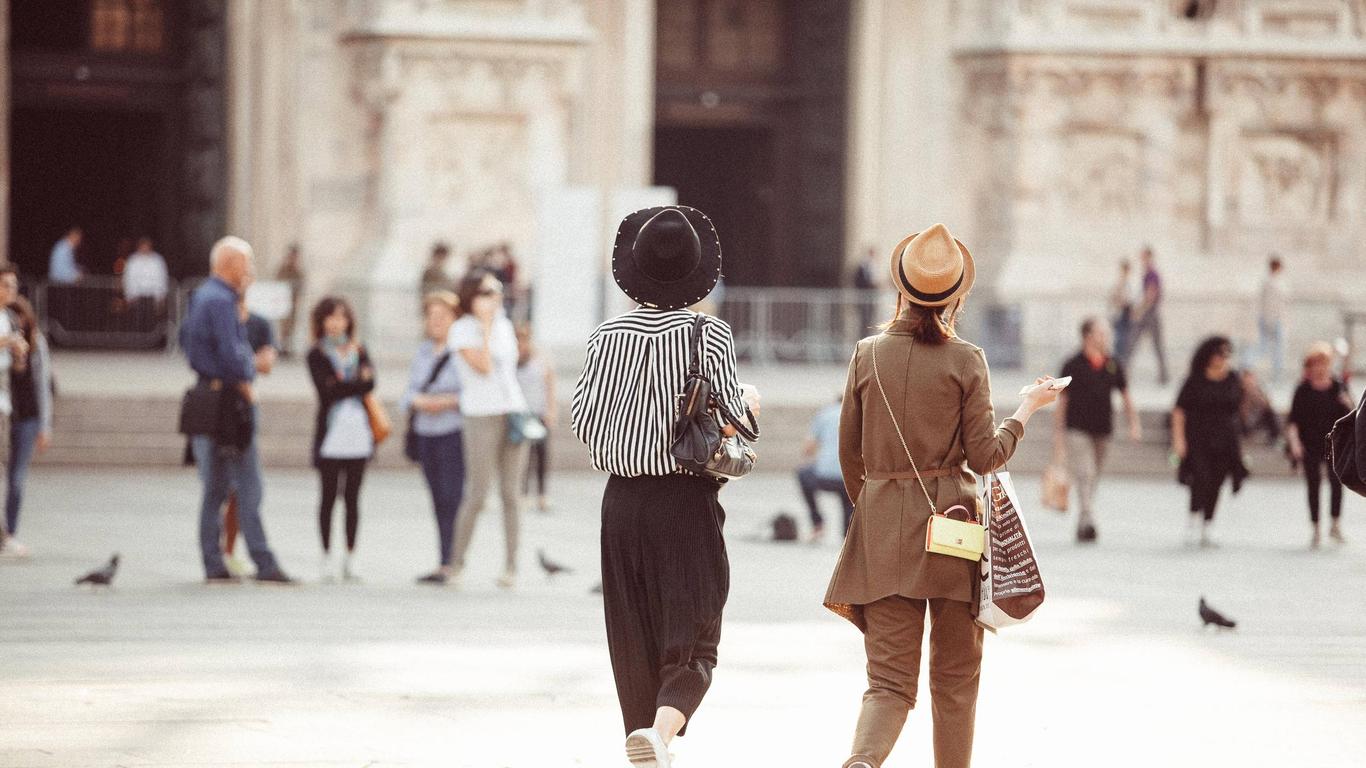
(665, 578)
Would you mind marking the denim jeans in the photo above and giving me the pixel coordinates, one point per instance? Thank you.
(220, 474)
(443, 465)
(811, 482)
(1271, 344)
(23, 442)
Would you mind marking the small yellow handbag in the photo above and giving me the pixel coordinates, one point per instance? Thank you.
(945, 534)
(960, 538)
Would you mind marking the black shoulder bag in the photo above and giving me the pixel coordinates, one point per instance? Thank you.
(698, 446)
(1346, 445)
(410, 437)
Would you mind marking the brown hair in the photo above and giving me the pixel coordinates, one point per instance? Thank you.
(324, 309)
(930, 325)
(469, 287)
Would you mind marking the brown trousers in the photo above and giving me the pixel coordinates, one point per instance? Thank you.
(896, 626)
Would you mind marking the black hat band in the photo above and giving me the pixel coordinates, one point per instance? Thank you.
(929, 298)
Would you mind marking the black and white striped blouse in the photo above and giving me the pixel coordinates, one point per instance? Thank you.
(626, 400)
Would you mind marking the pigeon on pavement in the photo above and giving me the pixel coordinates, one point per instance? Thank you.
(1210, 616)
(102, 577)
(550, 567)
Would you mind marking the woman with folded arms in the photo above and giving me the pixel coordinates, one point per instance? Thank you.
(343, 442)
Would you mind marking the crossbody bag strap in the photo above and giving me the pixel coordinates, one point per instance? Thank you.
(888, 403)
(436, 371)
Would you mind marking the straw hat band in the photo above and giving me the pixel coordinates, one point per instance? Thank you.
(929, 297)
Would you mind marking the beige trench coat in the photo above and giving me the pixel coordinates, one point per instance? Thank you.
(942, 398)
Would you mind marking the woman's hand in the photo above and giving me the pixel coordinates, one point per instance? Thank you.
(1038, 396)
(1179, 448)
(44, 441)
(751, 395)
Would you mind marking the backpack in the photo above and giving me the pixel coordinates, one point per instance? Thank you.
(1346, 444)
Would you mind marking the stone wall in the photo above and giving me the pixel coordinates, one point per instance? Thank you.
(1091, 127)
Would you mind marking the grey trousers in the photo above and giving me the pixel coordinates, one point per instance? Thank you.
(1085, 458)
(489, 456)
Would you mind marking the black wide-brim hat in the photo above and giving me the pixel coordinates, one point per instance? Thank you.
(674, 263)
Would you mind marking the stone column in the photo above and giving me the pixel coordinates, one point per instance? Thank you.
(863, 170)
(5, 70)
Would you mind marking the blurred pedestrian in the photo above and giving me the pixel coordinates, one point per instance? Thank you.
(536, 375)
(261, 340)
(145, 276)
(1320, 400)
(292, 272)
(432, 402)
(484, 345)
(1147, 316)
(823, 473)
(14, 351)
(1121, 301)
(215, 343)
(867, 281)
(343, 442)
(1271, 320)
(1205, 433)
(435, 277)
(885, 582)
(146, 283)
(1085, 417)
(63, 269)
(31, 398)
(665, 573)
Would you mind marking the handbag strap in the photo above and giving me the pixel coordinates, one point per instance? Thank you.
(888, 403)
(748, 431)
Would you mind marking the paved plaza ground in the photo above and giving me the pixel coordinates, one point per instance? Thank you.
(1115, 670)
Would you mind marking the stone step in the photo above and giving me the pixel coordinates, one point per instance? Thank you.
(141, 432)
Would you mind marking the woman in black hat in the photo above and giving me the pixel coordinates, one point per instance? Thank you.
(664, 568)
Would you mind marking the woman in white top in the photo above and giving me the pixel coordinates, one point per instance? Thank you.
(342, 442)
(483, 343)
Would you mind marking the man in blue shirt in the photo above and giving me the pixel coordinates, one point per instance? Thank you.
(824, 473)
(215, 341)
(62, 268)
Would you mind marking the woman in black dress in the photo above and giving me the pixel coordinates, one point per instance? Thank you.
(1205, 432)
(1320, 400)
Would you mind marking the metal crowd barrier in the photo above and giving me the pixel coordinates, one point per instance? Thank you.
(95, 313)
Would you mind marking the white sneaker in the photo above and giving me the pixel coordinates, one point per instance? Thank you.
(645, 748)
(11, 548)
(507, 581)
(1315, 540)
(1207, 541)
(235, 565)
(325, 568)
(346, 573)
(1335, 533)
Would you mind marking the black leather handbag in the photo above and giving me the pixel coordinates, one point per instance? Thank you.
(699, 445)
(201, 409)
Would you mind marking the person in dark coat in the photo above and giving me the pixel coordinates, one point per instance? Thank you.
(1320, 400)
(342, 440)
(1205, 432)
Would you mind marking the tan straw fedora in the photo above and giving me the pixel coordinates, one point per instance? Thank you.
(932, 268)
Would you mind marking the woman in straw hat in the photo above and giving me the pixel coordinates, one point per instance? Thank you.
(919, 379)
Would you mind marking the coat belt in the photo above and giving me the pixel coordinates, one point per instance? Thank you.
(909, 475)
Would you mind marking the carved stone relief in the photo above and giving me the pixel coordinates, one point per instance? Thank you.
(1285, 178)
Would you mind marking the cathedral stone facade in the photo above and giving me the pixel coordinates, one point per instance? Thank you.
(1055, 136)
